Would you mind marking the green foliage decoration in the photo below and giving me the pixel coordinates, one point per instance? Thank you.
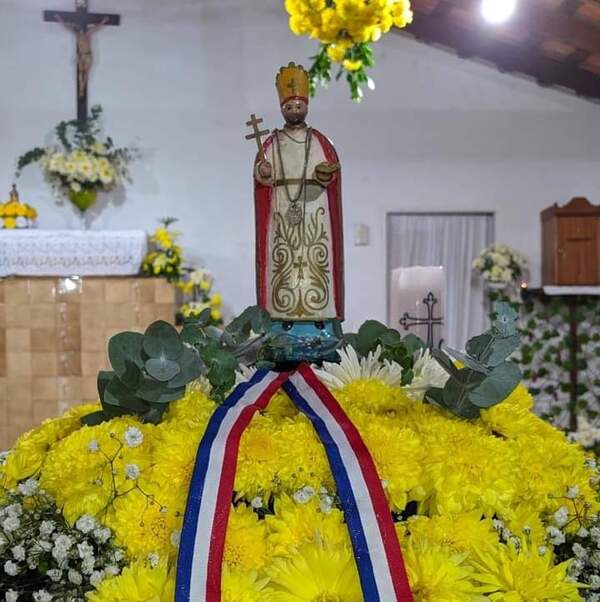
(395, 348)
(486, 376)
(245, 340)
(150, 370)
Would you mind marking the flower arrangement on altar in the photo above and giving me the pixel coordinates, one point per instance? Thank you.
(15, 214)
(500, 264)
(489, 501)
(196, 285)
(164, 260)
(346, 30)
(81, 163)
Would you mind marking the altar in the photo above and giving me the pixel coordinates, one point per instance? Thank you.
(67, 252)
(53, 333)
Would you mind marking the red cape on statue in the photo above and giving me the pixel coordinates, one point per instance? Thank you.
(263, 197)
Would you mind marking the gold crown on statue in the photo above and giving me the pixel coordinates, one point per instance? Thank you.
(292, 82)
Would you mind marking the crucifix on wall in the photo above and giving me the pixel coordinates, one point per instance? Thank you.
(83, 24)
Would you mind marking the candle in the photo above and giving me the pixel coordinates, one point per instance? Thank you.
(417, 302)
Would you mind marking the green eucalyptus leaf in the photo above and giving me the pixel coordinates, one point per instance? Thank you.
(168, 395)
(260, 320)
(202, 319)
(132, 375)
(192, 335)
(191, 368)
(500, 383)
(480, 347)
(162, 369)
(391, 338)
(104, 377)
(154, 414)
(123, 347)
(413, 344)
(467, 360)
(505, 318)
(162, 340)
(149, 388)
(445, 362)
(456, 399)
(117, 394)
(94, 419)
(502, 349)
(368, 336)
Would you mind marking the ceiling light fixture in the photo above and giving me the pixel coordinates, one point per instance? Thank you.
(498, 11)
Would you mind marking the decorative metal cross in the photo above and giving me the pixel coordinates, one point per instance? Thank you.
(83, 24)
(253, 123)
(407, 320)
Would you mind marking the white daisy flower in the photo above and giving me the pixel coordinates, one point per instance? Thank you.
(351, 368)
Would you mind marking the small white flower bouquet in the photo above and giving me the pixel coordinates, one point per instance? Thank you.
(81, 164)
(499, 263)
(43, 557)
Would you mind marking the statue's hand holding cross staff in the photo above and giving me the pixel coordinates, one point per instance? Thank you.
(264, 168)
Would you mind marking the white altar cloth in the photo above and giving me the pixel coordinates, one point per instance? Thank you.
(71, 252)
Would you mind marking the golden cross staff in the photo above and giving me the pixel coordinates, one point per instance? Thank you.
(253, 123)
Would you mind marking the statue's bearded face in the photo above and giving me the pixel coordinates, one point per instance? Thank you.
(294, 111)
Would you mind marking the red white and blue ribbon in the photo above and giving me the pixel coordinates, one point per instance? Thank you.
(211, 489)
(376, 549)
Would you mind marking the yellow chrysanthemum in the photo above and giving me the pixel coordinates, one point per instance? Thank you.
(30, 450)
(315, 573)
(523, 575)
(147, 523)
(246, 540)
(371, 395)
(86, 452)
(138, 583)
(242, 586)
(398, 454)
(437, 574)
(295, 524)
(459, 532)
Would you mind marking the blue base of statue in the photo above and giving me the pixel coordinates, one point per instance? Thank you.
(305, 341)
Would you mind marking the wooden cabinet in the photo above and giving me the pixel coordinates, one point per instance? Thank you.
(571, 244)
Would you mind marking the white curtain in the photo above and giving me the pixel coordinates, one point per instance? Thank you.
(452, 241)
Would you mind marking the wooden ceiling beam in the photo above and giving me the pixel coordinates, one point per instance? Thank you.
(507, 57)
(533, 17)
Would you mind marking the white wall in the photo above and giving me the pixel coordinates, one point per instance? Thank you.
(181, 77)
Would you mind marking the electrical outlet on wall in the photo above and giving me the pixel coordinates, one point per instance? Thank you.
(361, 235)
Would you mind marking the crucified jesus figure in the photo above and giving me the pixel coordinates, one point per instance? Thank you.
(85, 56)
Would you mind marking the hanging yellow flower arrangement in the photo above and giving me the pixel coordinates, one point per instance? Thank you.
(346, 29)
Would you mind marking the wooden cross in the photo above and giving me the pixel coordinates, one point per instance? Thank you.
(83, 24)
(253, 123)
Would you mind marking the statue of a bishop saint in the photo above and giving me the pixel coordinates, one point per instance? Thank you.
(299, 238)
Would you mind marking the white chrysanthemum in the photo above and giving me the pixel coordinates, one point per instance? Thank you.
(351, 368)
(427, 373)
